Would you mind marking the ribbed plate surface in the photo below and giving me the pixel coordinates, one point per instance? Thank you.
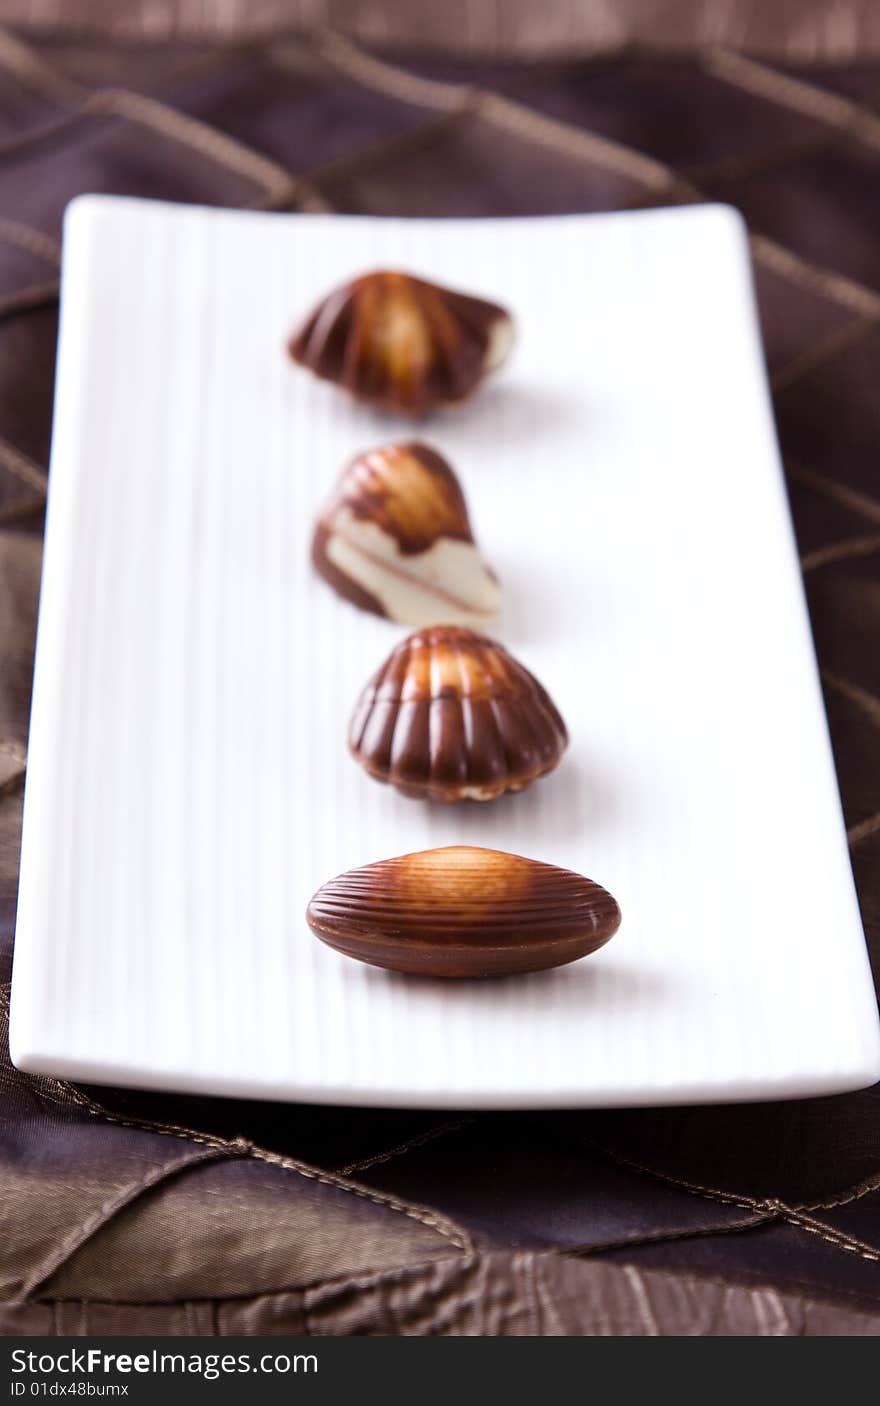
(189, 785)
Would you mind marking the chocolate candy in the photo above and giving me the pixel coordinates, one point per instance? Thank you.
(463, 912)
(403, 344)
(452, 716)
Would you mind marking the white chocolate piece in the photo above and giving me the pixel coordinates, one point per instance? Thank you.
(447, 584)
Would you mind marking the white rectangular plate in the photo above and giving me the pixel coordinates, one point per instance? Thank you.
(189, 783)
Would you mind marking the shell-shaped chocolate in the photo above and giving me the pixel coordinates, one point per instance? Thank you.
(401, 343)
(452, 716)
(396, 539)
(463, 912)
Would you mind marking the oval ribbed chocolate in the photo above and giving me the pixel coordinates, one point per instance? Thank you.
(463, 912)
(396, 539)
(452, 716)
(401, 343)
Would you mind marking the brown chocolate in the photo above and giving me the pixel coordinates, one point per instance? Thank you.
(407, 490)
(463, 912)
(401, 343)
(451, 715)
(396, 539)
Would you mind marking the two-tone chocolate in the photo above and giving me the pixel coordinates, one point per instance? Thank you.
(452, 716)
(401, 343)
(463, 912)
(396, 539)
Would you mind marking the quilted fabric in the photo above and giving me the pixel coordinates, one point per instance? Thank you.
(131, 1213)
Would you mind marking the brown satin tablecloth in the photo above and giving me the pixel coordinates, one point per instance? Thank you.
(122, 1212)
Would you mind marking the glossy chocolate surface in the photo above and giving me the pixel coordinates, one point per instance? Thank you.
(395, 538)
(463, 912)
(401, 343)
(409, 491)
(451, 715)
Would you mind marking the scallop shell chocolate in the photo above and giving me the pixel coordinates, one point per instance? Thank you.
(463, 912)
(452, 716)
(403, 344)
(396, 539)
